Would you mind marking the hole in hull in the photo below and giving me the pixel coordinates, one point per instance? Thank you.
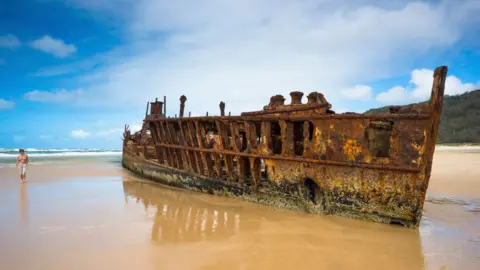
(276, 138)
(312, 193)
(298, 138)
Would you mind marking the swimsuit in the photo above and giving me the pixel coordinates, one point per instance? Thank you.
(23, 166)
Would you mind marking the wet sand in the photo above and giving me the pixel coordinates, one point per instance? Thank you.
(98, 216)
(456, 173)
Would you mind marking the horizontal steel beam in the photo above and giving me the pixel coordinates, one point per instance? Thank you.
(410, 116)
(297, 108)
(296, 159)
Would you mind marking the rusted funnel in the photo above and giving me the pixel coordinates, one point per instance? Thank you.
(222, 108)
(182, 104)
(278, 100)
(296, 97)
(312, 97)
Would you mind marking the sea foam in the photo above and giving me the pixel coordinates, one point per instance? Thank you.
(59, 152)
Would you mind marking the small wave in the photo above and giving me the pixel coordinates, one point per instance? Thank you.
(445, 200)
(475, 208)
(35, 163)
(58, 150)
(48, 150)
(472, 205)
(467, 148)
(65, 154)
(7, 165)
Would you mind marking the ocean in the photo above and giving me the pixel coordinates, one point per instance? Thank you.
(58, 155)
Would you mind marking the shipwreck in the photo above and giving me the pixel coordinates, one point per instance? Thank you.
(299, 156)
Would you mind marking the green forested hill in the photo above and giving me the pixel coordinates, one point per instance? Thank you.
(460, 120)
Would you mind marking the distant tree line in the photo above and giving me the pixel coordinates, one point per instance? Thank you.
(460, 119)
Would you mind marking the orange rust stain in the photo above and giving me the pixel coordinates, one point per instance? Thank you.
(318, 142)
(367, 158)
(351, 149)
(394, 145)
(383, 160)
(420, 148)
(272, 172)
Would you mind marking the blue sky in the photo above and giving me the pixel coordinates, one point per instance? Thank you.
(73, 72)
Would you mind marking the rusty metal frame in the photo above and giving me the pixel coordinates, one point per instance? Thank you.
(276, 135)
(294, 159)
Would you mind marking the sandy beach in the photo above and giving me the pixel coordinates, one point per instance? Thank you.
(456, 172)
(95, 215)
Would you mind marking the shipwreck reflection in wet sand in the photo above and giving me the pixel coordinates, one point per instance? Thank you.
(236, 233)
(180, 217)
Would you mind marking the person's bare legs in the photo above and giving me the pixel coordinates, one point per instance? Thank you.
(23, 176)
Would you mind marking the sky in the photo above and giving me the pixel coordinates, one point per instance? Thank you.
(74, 72)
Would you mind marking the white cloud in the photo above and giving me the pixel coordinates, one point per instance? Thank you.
(394, 96)
(79, 134)
(18, 138)
(423, 79)
(56, 47)
(6, 105)
(358, 92)
(9, 41)
(244, 51)
(113, 132)
(135, 127)
(105, 133)
(56, 96)
(421, 87)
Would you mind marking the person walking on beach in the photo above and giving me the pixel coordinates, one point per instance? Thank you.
(22, 161)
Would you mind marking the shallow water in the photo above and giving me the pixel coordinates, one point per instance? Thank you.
(97, 216)
(59, 156)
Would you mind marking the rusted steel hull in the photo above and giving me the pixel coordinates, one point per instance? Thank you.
(289, 196)
(298, 156)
